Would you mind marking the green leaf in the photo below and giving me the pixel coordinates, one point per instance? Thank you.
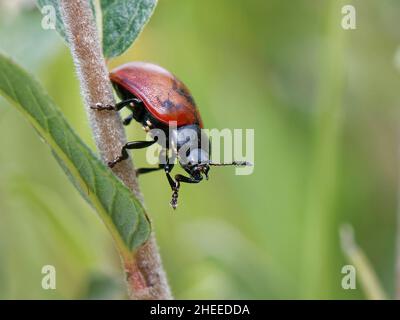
(117, 207)
(59, 22)
(123, 20)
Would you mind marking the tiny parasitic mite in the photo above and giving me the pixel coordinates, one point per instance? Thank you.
(156, 97)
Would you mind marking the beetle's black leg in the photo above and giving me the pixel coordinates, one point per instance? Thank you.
(175, 189)
(147, 170)
(166, 166)
(130, 145)
(132, 102)
(171, 181)
(174, 185)
(128, 120)
(116, 107)
(182, 178)
(178, 179)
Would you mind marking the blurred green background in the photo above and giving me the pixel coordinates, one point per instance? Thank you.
(324, 105)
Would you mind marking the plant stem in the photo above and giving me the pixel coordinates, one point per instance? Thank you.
(145, 276)
(365, 272)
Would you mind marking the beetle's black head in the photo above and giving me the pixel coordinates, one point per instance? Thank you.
(195, 159)
(193, 149)
(197, 164)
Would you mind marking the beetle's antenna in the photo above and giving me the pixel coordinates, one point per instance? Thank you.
(233, 163)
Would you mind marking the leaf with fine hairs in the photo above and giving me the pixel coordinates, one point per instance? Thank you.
(116, 205)
(59, 22)
(123, 20)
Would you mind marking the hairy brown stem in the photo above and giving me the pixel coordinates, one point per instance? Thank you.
(145, 276)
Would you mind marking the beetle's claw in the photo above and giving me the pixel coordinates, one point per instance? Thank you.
(173, 204)
(111, 164)
(174, 200)
(99, 106)
(126, 122)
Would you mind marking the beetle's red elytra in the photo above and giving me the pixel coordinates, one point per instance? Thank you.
(165, 97)
(155, 98)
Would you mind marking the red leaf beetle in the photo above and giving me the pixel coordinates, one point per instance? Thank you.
(155, 97)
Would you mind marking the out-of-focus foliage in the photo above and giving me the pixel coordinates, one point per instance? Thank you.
(324, 106)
